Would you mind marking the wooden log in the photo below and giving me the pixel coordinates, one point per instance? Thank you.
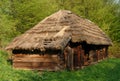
(91, 56)
(36, 61)
(102, 53)
(75, 60)
(34, 65)
(79, 63)
(97, 55)
(79, 48)
(106, 51)
(85, 60)
(68, 58)
(35, 55)
(21, 64)
(65, 61)
(75, 57)
(82, 57)
(72, 59)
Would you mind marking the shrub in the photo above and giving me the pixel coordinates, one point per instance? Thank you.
(114, 50)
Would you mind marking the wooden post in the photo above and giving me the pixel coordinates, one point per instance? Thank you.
(79, 65)
(94, 56)
(103, 52)
(106, 51)
(79, 51)
(65, 56)
(68, 58)
(97, 55)
(72, 59)
(82, 57)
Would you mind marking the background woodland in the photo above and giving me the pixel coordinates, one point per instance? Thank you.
(17, 16)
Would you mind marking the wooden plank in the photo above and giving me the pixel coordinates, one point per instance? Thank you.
(20, 64)
(35, 60)
(97, 54)
(85, 60)
(56, 68)
(106, 51)
(95, 58)
(39, 68)
(42, 67)
(79, 63)
(82, 57)
(35, 65)
(65, 56)
(34, 56)
(103, 52)
(23, 61)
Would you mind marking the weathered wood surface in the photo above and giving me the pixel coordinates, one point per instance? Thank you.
(74, 58)
(98, 55)
(68, 53)
(34, 55)
(38, 62)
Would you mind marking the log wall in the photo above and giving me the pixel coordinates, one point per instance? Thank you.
(36, 62)
(72, 58)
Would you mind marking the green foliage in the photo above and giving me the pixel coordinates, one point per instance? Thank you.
(107, 70)
(114, 50)
(115, 29)
(7, 29)
(29, 13)
(17, 16)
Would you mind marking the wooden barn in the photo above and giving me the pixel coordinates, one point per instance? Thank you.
(62, 40)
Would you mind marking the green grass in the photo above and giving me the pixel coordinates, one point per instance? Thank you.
(107, 70)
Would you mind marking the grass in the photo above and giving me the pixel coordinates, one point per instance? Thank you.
(107, 70)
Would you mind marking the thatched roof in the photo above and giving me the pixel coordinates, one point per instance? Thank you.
(56, 30)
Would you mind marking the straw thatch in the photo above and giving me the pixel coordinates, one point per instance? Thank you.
(56, 30)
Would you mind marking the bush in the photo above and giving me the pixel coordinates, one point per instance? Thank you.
(114, 50)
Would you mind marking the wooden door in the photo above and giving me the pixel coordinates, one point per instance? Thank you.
(78, 59)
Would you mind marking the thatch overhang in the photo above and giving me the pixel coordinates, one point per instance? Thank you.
(56, 30)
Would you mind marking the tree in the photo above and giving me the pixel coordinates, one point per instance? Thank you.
(7, 24)
(17, 16)
(28, 13)
(7, 29)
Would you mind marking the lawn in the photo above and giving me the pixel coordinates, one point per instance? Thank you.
(107, 70)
